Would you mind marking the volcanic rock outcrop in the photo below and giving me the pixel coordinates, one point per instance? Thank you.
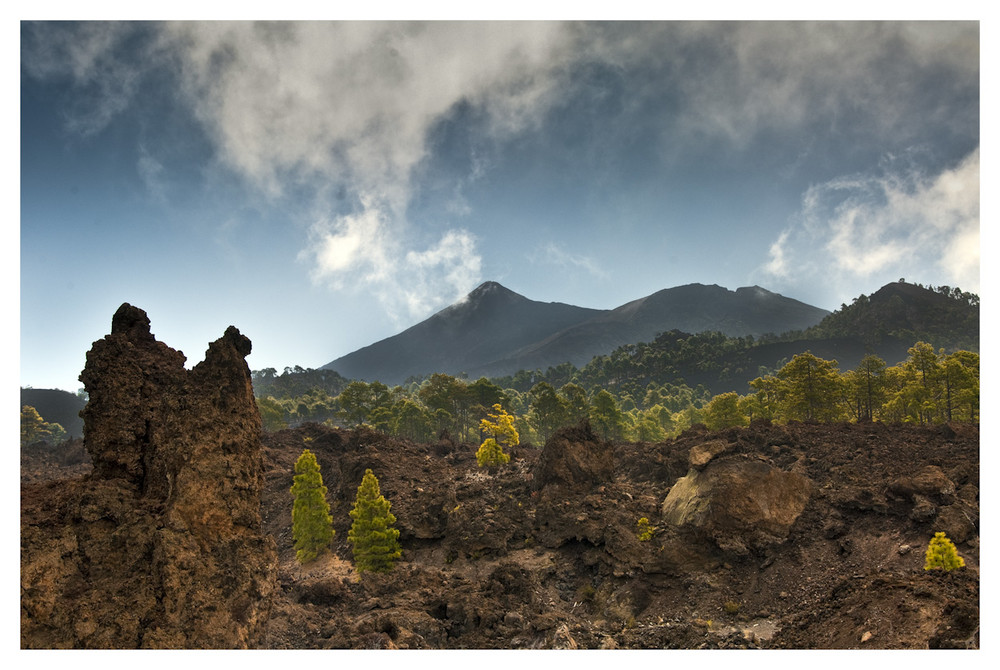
(161, 546)
(741, 503)
(574, 459)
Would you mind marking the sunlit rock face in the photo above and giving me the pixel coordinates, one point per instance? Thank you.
(161, 546)
(739, 503)
(575, 460)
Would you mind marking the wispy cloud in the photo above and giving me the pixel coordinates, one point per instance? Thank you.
(553, 254)
(454, 264)
(360, 251)
(354, 101)
(89, 55)
(739, 80)
(151, 171)
(898, 223)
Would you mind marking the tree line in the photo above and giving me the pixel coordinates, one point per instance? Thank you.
(928, 387)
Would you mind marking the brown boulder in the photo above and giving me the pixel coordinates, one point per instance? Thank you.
(161, 546)
(701, 454)
(575, 459)
(738, 503)
(930, 481)
(957, 521)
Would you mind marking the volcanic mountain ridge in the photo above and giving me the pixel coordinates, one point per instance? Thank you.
(494, 331)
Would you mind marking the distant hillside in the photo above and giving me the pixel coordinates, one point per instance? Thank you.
(946, 317)
(495, 332)
(56, 406)
(694, 308)
(886, 324)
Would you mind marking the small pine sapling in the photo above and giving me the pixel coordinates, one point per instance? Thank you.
(490, 454)
(500, 427)
(312, 525)
(375, 541)
(942, 555)
(645, 531)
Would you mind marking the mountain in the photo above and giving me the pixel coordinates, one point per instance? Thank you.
(494, 331)
(946, 317)
(489, 323)
(694, 308)
(886, 324)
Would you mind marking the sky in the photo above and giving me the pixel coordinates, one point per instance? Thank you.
(324, 185)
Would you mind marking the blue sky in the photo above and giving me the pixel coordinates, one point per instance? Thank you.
(325, 185)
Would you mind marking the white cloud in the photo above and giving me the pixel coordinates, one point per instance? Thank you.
(328, 108)
(777, 266)
(900, 223)
(354, 245)
(360, 251)
(354, 101)
(446, 271)
(554, 254)
(329, 104)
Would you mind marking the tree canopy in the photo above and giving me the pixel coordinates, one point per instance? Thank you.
(35, 429)
(499, 425)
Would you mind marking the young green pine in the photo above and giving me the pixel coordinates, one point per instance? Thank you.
(312, 525)
(942, 555)
(375, 541)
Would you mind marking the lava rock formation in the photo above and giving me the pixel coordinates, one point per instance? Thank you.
(161, 546)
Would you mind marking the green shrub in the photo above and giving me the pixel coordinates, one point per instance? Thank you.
(500, 425)
(491, 455)
(645, 531)
(375, 541)
(942, 555)
(312, 525)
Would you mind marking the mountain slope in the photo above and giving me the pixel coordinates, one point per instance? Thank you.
(495, 331)
(946, 317)
(489, 323)
(693, 308)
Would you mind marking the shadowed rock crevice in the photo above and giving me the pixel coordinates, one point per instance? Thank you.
(161, 546)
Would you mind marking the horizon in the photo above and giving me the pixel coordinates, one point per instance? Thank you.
(377, 176)
(190, 362)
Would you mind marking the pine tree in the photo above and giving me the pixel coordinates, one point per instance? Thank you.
(375, 541)
(724, 411)
(312, 525)
(942, 555)
(810, 389)
(500, 426)
(606, 416)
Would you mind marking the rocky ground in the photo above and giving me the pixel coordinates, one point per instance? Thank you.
(503, 560)
(169, 526)
(545, 552)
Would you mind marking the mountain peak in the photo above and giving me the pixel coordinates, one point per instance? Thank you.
(489, 293)
(488, 287)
